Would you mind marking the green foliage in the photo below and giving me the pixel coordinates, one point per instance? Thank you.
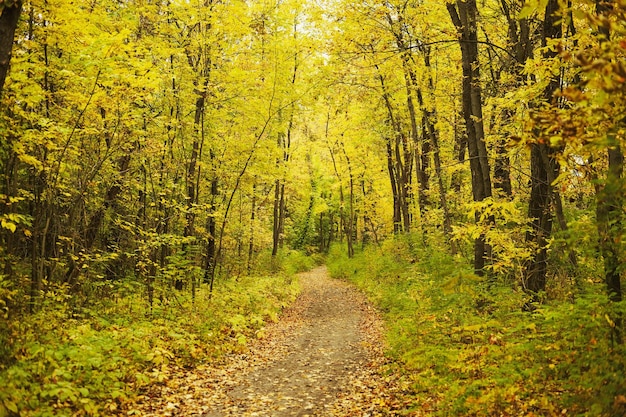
(466, 347)
(61, 366)
(287, 261)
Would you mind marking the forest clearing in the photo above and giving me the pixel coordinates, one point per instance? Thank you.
(312, 207)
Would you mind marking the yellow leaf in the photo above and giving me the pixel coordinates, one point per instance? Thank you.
(8, 225)
(11, 406)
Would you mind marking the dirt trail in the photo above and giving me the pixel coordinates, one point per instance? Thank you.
(321, 359)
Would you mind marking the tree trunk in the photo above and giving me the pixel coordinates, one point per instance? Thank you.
(460, 148)
(280, 208)
(464, 20)
(420, 144)
(399, 172)
(520, 49)
(502, 166)
(322, 239)
(252, 221)
(543, 168)
(211, 249)
(350, 226)
(276, 215)
(397, 214)
(9, 18)
(609, 208)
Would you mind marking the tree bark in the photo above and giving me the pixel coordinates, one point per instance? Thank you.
(544, 169)
(420, 143)
(464, 16)
(399, 171)
(9, 18)
(609, 206)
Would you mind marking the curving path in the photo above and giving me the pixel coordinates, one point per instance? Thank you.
(322, 358)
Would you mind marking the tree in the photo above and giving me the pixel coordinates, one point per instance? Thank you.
(544, 166)
(464, 17)
(9, 17)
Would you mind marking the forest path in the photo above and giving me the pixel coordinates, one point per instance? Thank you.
(322, 358)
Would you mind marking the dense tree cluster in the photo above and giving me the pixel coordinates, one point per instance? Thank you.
(148, 146)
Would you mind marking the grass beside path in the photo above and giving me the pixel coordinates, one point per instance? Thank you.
(465, 347)
(58, 363)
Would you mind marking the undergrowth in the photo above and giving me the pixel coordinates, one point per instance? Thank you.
(57, 364)
(466, 346)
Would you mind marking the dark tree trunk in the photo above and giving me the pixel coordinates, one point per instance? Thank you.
(350, 221)
(276, 221)
(193, 178)
(460, 149)
(252, 221)
(399, 170)
(191, 169)
(9, 17)
(544, 169)
(397, 214)
(609, 207)
(430, 117)
(502, 167)
(211, 249)
(539, 211)
(280, 208)
(609, 203)
(465, 21)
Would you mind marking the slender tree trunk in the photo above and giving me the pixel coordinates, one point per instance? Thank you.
(252, 224)
(447, 219)
(322, 239)
(38, 214)
(502, 166)
(430, 116)
(351, 217)
(276, 215)
(460, 148)
(331, 231)
(609, 207)
(610, 219)
(464, 20)
(211, 249)
(349, 223)
(543, 167)
(398, 174)
(397, 215)
(420, 144)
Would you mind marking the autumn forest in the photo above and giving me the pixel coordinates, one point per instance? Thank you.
(168, 169)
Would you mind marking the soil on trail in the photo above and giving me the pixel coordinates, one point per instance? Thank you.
(322, 358)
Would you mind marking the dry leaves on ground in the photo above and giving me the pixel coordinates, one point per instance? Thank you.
(323, 358)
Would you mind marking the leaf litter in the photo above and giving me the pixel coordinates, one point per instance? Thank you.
(324, 357)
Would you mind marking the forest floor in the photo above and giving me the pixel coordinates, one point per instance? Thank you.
(324, 357)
